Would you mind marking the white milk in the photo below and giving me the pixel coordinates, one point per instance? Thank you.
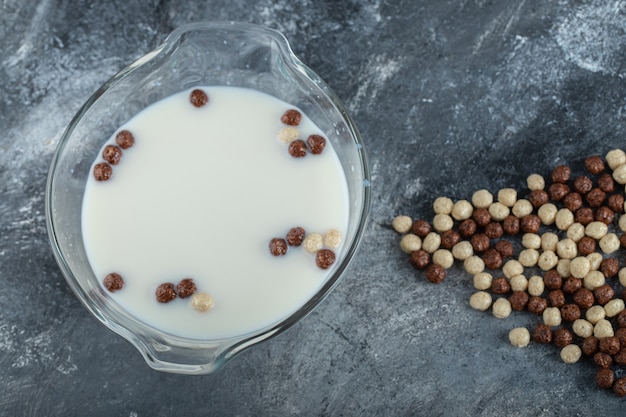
(200, 195)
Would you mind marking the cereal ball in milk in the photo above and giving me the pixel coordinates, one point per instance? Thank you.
(202, 301)
(313, 242)
(332, 239)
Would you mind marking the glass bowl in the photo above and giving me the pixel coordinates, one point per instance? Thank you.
(229, 54)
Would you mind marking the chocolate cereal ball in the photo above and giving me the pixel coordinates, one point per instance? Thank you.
(421, 228)
(594, 164)
(542, 334)
(537, 305)
(562, 337)
(590, 345)
(435, 273)
(492, 259)
(420, 259)
(605, 378)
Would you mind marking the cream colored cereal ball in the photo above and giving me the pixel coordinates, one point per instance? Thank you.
(202, 301)
(622, 222)
(512, 267)
(609, 243)
(622, 277)
(507, 196)
(522, 208)
(603, 328)
(619, 174)
(576, 232)
(519, 337)
(596, 230)
(462, 250)
(579, 267)
(402, 224)
(594, 279)
(535, 182)
(288, 134)
(314, 242)
(443, 205)
(332, 239)
(614, 307)
(531, 241)
(582, 328)
(571, 353)
(482, 280)
(518, 283)
(549, 241)
(474, 264)
(431, 242)
(443, 257)
(536, 285)
(563, 267)
(615, 158)
(566, 249)
(482, 199)
(594, 314)
(528, 257)
(501, 308)
(547, 260)
(595, 260)
(547, 213)
(442, 222)
(498, 211)
(552, 316)
(564, 219)
(462, 210)
(480, 300)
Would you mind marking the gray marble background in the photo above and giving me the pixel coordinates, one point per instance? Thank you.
(450, 96)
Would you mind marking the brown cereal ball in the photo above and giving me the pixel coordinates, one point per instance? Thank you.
(619, 387)
(552, 279)
(511, 225)
(542, 334)
(537, 305)
(604, 215)
(582, 185)
(557, 191)
(325, 258)
(492, 259)
(586, 245)
(519, 300)
(562, 337)
(590, 345)
(316, 144)
(481, 216)
(421, 228)
(594, 164)
(620, 333)
(505, 248)
(112, 154)
(420, 259)
(561, 173)
(185, 288)
(595, 197)
(480, 243)
(500, 286)
(467, 228)
(603, 294)
(570, 312)
(435, 273)
(494, 230)
(584, 216)
(291, 117)
(610, 345)
(622, 240)
(198, 98)
(102, 171)
(605, 378)
(297, 148)
(603, 359)
(606, 183)
(609, 267)
(573, 201)
(556, 298)
(113, 282)
(583, 298)
(620, 357)
(125, 139)
(165, 292)
(278, 246)
(530, 223)
(621, 320)
(616, 203)
(449, 238)
(571, 285)
(295, 236)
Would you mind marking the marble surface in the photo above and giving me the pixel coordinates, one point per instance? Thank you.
(450, 97)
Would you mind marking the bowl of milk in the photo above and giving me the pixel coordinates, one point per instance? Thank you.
(165, 237)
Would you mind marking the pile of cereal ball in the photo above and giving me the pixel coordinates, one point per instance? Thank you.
(551, 252)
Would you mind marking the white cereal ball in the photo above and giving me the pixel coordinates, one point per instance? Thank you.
(564, 219)
(547, 260)
(431, 242)
(536, 285)
(409, 244)
(549, 241)
(501, 308)
(202, 301)
(563, 267)
(483, 280)
(535, 182)
(547, 213)
(571, 353)
(402, 224)
(522, 208)
(552, 316)
(603, 328)
(594, 314)
(576, 232)
(512, 268)
(498, 211)
(622, 277)
(531, 241)
(582, 328)
(596, 230)
(507, 196)
(615, 158)
(443, 205)
(519, 337)
(442, 222)
(614, 307)
(519, 283)
(528, 257)
(443, 257)
(462, 210)
(462, 250)
(314, 242)
(567, 249)
(595, 260)
(288, 134)
(622, 222)
(593, 280)
(480, 300)
(579, 267)
(609, 243)
(482, 199)
(619, 174)
(474, 265)
(332, 239)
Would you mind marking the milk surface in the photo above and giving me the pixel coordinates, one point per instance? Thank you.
(200, 195)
